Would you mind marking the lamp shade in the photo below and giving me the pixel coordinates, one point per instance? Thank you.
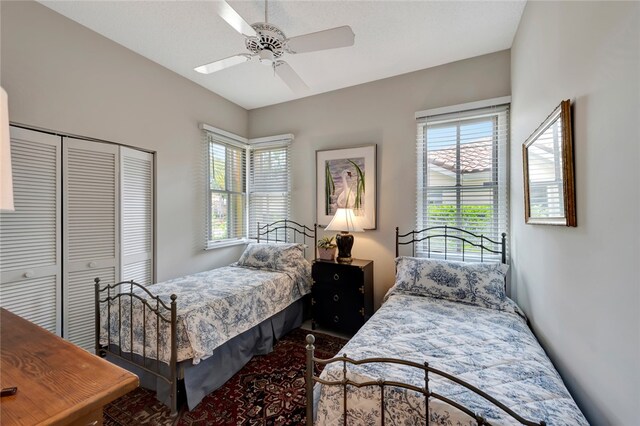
(6, 182)
(344, 221)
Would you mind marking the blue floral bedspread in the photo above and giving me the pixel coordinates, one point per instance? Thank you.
(212, 307)
(490, 349)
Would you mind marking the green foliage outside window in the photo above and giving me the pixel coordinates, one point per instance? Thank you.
(472, 217)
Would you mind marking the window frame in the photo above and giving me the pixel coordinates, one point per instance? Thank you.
(465, 114)
(228, 139)
(269, 144)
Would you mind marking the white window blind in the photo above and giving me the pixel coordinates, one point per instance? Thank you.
(227, 166)
(270, 184)
(463, 176)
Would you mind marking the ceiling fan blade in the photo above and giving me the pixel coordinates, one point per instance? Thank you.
(321, 40)
(223, 63)
(290, 77)
(234, 19)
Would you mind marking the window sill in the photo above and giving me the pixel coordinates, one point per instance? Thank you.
(212, 245)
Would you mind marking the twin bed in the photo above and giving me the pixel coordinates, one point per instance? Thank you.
(446, 347)
(193, 333)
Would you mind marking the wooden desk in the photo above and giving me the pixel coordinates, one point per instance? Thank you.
(58, 383)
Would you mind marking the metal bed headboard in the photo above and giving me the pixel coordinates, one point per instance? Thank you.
(287, 231)
(485, 244)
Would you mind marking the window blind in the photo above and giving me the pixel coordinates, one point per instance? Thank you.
(227, 189)
(270, 184)
(463, 177)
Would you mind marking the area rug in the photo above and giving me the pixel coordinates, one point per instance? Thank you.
(269, 390)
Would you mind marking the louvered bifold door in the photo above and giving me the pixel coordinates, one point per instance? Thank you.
(136, 213)
(29, 236)
(90, 231)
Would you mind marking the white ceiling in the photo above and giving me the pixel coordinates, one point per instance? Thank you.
(392, 37)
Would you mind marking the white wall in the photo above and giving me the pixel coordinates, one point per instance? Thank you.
(61, 76)
(381, 112)
(581, 286)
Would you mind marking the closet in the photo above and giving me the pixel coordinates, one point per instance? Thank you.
(83, 209)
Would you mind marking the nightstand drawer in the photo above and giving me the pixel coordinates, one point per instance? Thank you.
(328, 295)
(339, 294)
(339, 276)
(338, 316)
(331, 318)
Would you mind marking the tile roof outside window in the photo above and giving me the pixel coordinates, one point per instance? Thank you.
(474, 157)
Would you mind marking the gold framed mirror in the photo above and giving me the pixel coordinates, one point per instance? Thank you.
(549, 182)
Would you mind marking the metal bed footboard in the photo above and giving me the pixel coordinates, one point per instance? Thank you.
(381, 383)
(113, 296)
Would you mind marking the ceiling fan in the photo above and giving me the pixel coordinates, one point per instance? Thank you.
(268, 43)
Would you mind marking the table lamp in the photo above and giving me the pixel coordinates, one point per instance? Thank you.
(344, 221)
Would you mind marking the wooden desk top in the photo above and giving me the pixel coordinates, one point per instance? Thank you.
(57, 381)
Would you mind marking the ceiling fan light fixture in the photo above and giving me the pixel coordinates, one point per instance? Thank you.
(266, 57)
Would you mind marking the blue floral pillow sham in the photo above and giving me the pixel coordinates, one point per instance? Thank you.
(480, 284)
(274, 256)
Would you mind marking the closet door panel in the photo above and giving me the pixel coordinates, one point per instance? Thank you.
(80, 317)
(136, 195)
(34, 299)
(91, 231)
(140, 272)
(30, 262)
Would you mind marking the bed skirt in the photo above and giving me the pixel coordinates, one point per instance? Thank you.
(226, 360)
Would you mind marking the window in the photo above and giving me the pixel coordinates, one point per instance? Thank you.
(462, 174)
(248, 183)
(269, 184)
(227, 190)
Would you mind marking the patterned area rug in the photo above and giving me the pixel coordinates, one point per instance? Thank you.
(269, 390)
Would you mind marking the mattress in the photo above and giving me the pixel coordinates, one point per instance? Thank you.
(490, 349)
(212, 307)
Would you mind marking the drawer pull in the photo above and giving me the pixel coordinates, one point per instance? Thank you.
(336, 318)
(29, 274)
(361, 311)
(336, 297)
(92, 264)
(362, 289)
(336, 277)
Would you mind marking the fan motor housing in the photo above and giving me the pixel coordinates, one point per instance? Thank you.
(269, 38)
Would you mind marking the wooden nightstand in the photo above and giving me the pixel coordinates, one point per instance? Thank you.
(342, 294)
